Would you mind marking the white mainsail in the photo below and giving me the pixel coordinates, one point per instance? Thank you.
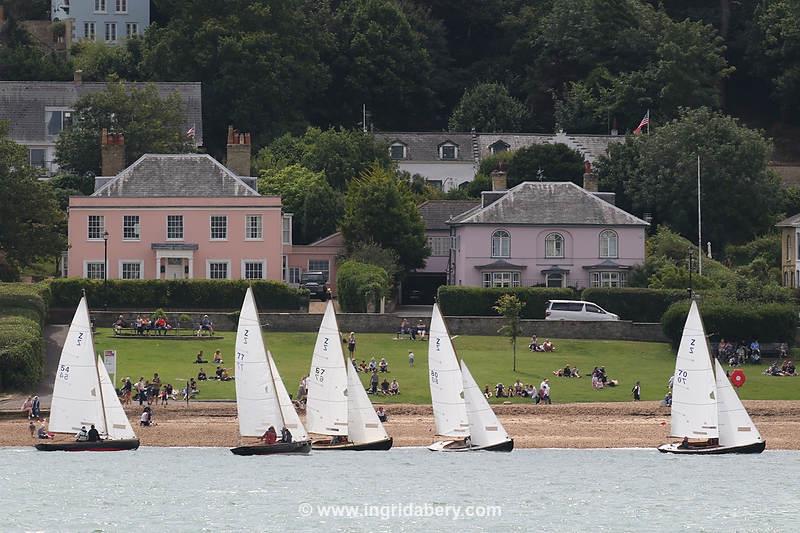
(363, 425)
(736, 428)
(694, 389)
(290, 418)
(119, 427)
(484, 427)
(326, 410)
(256, 399)
(444, 374)
(76, 392)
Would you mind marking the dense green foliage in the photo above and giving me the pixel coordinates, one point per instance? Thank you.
(476, 301)
(176, 294)
(545, 162)
(488, 107)
(23, 309)
(637, 304)
(735, 321)
(360, 286)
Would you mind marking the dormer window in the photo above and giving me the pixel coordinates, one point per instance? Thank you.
(448, 150)
(397, 150)
(499, 146)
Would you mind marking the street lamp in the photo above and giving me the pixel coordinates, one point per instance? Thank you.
(105, 257)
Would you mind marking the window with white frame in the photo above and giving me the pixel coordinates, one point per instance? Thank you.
(174, 227)
(397, 151)
(501, 243)
(286, 229)
(322, 265)
(130, 228)
(89, 31)
(99, 6)
(253, 270)
(294, 275)
(218, 270)
(97, 226)
(122, 6)
(448, 151)
(498, 147)
(609, 244)
(219, 227)
(501, 279)
(554, 245)
(95, 270)
(57, 120)
(131, 29)
(554, 279)
(440, 246)
(131, 270)
(609, 279)
(111, 32)
(253, 228)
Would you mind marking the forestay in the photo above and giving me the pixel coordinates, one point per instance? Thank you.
(76, 392)
(736, 428)
(119, 427)
(326, 410)
(694, 390)
(256, 401)
(444, 375)
(290, 418)
(363, 425)
(484, 427)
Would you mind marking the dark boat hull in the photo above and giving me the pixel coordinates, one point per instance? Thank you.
(756, 447)
(296, 448)
(460, 446)
(85, 446)
(380, 445)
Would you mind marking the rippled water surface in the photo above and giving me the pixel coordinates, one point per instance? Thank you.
(209, 489)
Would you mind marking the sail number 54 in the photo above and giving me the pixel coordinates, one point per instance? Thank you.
(63, 372)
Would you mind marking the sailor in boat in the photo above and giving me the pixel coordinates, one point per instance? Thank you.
(93, 435)
(286, 435)
(270, 436)
(82, 435)
(684, 444)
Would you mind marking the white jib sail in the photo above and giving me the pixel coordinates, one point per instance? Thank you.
(447, 386)
(256, 400)
(119, 427)
(363, 425)
(76, 392)
(694, 389)
(484, 427)
(736, 428)
(326, 410)
(290, 417)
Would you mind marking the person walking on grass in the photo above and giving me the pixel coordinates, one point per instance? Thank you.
(637, 392)
(411, 359)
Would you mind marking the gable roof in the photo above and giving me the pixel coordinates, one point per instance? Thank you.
(175, 175)
(791, 222)
(23, 104)
(424, 146)
(591, 147)
(549, 204)
(436, 213)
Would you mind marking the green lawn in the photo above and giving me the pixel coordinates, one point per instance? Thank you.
(489, 359)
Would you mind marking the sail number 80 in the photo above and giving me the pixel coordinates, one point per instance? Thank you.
(434, 377)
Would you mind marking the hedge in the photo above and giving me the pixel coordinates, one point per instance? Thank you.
(356, 282)
(32, 298)
(735, 321)
(176, 294)
(640, 305)
(457, 300)
(23, 308)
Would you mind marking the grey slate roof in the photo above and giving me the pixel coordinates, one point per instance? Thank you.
(436, 213)
(590, 146)
(175, 175)
(424, 146)
(791, 222)
(23, 103)
(550, 203)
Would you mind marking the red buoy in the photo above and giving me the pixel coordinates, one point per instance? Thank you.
(738, 378)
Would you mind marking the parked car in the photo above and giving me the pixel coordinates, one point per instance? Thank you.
(316, 282)
(576, 310)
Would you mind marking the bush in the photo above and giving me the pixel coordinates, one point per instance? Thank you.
(767, 322)
(641, 305)
(176, 294)
(477, 301)
(17, 296)
(357, 282)
(21, 347)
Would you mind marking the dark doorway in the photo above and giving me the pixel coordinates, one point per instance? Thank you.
(420, 289)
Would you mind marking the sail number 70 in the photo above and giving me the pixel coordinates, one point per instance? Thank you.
(681, 376)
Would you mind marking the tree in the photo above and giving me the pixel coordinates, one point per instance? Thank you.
(657, 173)
(31, 224)
(66, 185)
(150, 125)
(379, 208)
(510, 308)
(22, 59)
(545, 162)
(373, 254)
(487, 107)
(100, 62)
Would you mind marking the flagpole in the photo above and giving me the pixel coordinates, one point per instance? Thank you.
(648, 122)
(699, 224)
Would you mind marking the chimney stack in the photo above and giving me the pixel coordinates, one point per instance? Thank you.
(77, 77)
(112, 153)
(239, 150)
(589, 178)
(499, 180)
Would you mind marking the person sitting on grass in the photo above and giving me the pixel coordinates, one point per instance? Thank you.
(518, 388)
(499, 391)
(394, 388)
(487, 392)
(382, 416)
(218, 358)
(530, 391)
(383, 365)
(201, 376)
(788, 368)
(422, 330)
(362, 366)
(225, 376)
(373, 366)
(385, 386)
(547, 346)
(199, 359)
(119, 325)
(218, 372)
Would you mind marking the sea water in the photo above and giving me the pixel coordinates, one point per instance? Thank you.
(209, 489)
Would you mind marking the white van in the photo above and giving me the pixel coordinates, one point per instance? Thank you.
(576, 310)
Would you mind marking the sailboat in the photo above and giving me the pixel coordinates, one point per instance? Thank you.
(704, 404)
(261, 397)
(460, 410)
(83, 395)
(338, 405)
